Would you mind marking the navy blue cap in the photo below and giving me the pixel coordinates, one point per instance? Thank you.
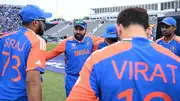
(32, 12)
(111, 32)
(169, 21)
(80, 23)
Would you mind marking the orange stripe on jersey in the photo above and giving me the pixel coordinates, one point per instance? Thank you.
(37, 54)
(159, 39)
(177, 38)
(112, 50)
(165, 51)
(7, 34)
(95, 47)
(82, 91)
(31, 36)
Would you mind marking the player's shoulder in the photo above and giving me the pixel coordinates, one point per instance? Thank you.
(111, 50)
(33, 38)
(7, 34)
(177, 38)
(69, 38)
(88, 36)
(160, 39)
(165, 51)
(64, 41)
(99, 42)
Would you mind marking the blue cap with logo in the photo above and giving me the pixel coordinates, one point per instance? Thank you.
(32, 12)
(80, 23)
(169, 21)
(111, 32)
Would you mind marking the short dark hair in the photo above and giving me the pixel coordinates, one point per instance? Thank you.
(133, 16)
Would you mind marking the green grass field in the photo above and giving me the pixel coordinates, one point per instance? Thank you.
(53, 84)
(51, 45)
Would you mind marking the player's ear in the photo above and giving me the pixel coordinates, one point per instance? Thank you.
(174, 28)
(86, 29)
(149, 30)
(35, 23)
(119, 29)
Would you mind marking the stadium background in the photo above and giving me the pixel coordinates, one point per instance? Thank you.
(59, 29)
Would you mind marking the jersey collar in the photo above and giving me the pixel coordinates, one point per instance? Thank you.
(27, 29)
(130, 38)
(169, 40)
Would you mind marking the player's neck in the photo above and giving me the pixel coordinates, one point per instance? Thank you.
(28, 27)
(134, 31)
(169, 38)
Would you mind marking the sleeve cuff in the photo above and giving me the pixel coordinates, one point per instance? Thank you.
(40, 69)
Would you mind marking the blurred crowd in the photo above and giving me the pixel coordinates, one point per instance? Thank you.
(9, 21)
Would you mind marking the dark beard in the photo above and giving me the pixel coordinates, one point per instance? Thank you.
(40, 32)
(168, 35)
(79, 37)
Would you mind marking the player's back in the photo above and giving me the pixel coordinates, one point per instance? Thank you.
(137, 71)
(14, 51)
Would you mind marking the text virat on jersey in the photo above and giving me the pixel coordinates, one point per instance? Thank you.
(148, 73)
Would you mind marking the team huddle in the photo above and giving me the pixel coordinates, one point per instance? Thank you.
(124, 64)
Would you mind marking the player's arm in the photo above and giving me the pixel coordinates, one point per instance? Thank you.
(95, 38)
(177, 38)
(86, 88)
(95, 46)
(33, 85)
(35, 66)
(60, 48)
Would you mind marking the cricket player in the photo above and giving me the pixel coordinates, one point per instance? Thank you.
(110, 37)
(76, 49)
(134, 69)
(169, 40)
(22, 57)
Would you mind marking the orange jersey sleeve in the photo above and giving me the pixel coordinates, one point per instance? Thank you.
(177, 38)
(56, 51)
(37, 55)
(95, 38)
(95, 47)
(159, 39)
